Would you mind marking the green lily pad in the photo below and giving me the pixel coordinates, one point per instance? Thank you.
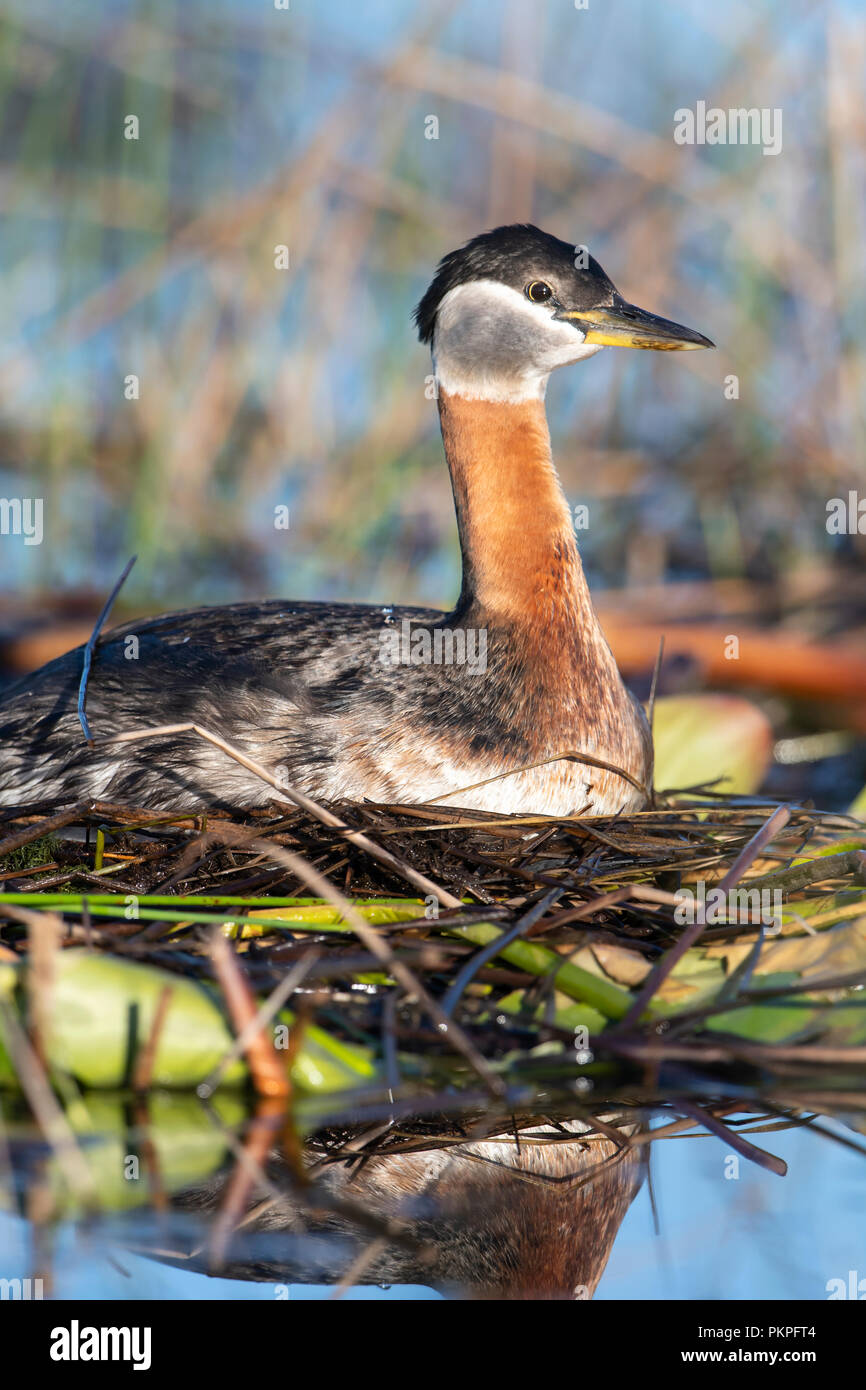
(702, 738)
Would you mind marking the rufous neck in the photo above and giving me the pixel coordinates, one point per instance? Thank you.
(520, 558)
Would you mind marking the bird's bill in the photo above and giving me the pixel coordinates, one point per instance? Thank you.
(624, 325)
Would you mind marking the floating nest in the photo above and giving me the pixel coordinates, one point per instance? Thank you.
(706, 946)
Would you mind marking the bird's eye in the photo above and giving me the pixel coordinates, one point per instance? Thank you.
(537, 291)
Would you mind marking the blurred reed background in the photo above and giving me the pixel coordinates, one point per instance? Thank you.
(306, 387)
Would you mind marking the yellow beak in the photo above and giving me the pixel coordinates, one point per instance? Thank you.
(624, 325)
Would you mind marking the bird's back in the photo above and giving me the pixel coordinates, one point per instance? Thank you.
(345, 702)
(276, 678)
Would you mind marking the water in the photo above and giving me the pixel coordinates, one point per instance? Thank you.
(753, 1236)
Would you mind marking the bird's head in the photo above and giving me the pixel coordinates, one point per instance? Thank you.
(514, 303)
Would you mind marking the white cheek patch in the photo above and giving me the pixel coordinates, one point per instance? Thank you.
(492, 344)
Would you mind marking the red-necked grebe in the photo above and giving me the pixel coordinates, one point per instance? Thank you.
(345, 701)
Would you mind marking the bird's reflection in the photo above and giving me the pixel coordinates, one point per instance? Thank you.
(527, 1216)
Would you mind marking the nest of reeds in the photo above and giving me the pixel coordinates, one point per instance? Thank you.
(707, 944)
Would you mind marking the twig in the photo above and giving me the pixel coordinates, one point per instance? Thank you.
(655, 680)
(477, 961)
(248, 1172)
(660, 972)
(45, 931)
(300, 799)
(44, 827)
(737, 1141)
(266, 1070)
(571, 755)
(48, 1113)
(142, 1075)
(91, 644)
(269, 1009)
(814, 871)
(379, 947)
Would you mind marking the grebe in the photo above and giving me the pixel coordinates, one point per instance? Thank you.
(489, 1220)
(350, 702)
